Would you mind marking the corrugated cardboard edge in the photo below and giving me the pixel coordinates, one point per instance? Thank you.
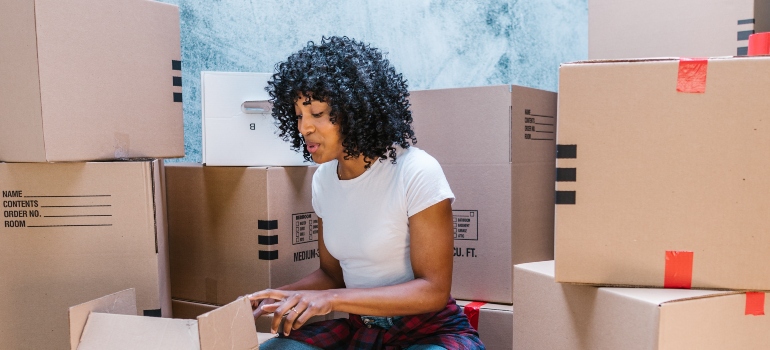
(123, 302)
(161, 236)
(231, 326)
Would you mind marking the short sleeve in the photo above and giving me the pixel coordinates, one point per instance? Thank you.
(425, 182)
(314, 191)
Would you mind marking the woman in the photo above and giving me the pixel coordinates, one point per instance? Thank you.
(384, 207)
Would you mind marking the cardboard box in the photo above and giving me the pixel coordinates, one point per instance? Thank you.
(496, 146)
(190, 309)
(238, 128)
(653, 172)
(238, 230)
(110, 322)
(553, 315)
(494, 322)
(89, 80)
(72, 232)
(673, 28)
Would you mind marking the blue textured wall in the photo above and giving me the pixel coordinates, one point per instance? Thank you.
(434, 43)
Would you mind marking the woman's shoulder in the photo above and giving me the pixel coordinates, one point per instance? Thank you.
(326, 170)
(414, 156)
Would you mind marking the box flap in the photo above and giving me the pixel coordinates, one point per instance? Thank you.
(21, 138)
(127, 332)
(123, 302)
(229, 327)
(712, 323)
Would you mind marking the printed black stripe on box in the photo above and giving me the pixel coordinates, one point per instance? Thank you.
(566, 174)
(268, 255)
(176, 65)
(566, 151)
(152, 313)
(565, 197)
(177, 81)
(267, 240)
(267, 224)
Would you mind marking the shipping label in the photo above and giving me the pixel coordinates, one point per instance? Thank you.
(466, 224)
(304, 228)
(41, 210)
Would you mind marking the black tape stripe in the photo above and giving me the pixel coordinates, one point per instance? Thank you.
(268, 240)
(743, 51)
(566, 174)
(153, 313)
(565, 197)
(176, 65)
(566, 151)
(744, 34)
(746, 21)
(267, 224)
(177, 81)
(177, 97)
(268, 255)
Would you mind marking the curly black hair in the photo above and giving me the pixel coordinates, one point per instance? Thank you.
(368, 99)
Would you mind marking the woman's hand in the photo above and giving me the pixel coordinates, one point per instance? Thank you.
(293, 307)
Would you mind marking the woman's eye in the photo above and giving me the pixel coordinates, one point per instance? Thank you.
(317, 115)
(299, 116)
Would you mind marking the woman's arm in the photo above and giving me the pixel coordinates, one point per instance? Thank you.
(431, 241)
(328, 275)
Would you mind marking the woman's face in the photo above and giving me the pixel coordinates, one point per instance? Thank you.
(322, 137)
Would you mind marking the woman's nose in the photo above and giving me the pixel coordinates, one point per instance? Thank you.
(305, 126)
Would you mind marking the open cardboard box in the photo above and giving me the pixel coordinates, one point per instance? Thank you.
(111, 322)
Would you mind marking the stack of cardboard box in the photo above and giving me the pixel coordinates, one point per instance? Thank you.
(661, 183)
(244, 221)
(496, 145)
(90, 98)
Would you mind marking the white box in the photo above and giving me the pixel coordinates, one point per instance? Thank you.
(237, 136)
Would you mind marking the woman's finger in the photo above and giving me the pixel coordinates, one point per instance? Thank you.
(268, 294)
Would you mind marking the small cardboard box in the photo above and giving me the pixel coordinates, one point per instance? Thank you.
(191, 309)
(89, 80)
(494, 322)
(496, 145)
(552, 315)
(110, 322)
(238, 129)
(72, 232)
(659, 187)
(238, 230)
(673, 28)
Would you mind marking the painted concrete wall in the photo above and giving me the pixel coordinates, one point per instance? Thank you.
(434, 43)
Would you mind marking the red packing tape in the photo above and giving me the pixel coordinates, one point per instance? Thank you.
(678, 269)
(755, 303)
(759, 44)
(692, 75)
(472, 311)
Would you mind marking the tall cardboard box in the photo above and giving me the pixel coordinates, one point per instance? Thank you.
(662, 185)
(552, 315)
(238, 230)
(496, 145)
(238, 128)
(673, 28)
(73, 232)
(494, 322)
(89, 80)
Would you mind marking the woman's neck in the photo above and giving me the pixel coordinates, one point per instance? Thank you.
(348, 169)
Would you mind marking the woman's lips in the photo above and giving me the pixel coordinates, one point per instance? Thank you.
(312, 147)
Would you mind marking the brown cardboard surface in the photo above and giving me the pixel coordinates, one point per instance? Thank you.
(495, 325)
(191, 309)
(123, 303)
(89, 80)
(81, 226)
(496, 147)
(18, 52)
(660, 28)
(659, 171)
(228, 327)
(237, 230)
(552, 315)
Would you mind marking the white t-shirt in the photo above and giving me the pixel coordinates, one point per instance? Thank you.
(366, 219)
